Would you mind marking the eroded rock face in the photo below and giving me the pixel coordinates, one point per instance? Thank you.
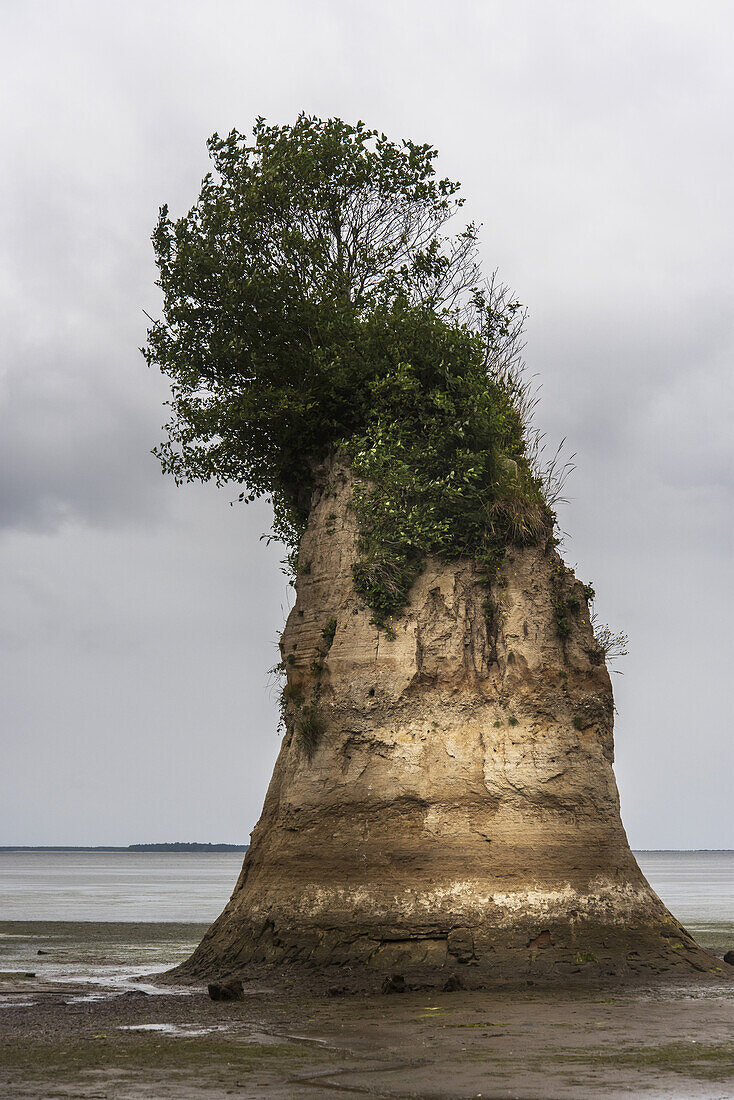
(453, 802)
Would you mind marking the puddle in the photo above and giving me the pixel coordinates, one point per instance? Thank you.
(184, 1031)
(299, 1038)
(115, 983)
(89, 997)
(178, 1031)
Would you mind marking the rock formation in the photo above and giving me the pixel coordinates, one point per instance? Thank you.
(444, 799)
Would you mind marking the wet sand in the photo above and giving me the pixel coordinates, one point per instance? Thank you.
(102, 1033)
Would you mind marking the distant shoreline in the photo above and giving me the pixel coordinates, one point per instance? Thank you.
(137, 849)
(134, 848)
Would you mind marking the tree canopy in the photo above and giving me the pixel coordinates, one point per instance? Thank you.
(314, 300)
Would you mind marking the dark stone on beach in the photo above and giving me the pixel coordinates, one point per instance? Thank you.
(42, 952)
(394, 984)
(131, 994)
(226, 991)
(453, 984)
(729, 958)
(29, 974)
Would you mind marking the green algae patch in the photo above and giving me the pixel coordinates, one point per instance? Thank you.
(707, 1061)
(481, 1023)
(150, 1057)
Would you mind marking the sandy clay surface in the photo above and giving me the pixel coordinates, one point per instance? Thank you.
(76, 1020)
(80, 1041)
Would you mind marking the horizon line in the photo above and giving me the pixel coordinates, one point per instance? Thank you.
(233, 847)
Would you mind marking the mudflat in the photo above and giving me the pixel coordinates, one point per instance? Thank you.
(88, 1027)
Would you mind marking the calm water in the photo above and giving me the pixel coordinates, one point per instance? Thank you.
(698, 888)
(103, 919)
(116, 886)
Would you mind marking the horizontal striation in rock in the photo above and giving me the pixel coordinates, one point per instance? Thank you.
(459, 805)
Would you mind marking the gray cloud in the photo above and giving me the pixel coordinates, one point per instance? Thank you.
(137, 621)
(74, 449)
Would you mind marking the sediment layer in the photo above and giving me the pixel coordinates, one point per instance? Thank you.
(444, 797)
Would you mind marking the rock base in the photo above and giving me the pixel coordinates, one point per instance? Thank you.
(459, 958)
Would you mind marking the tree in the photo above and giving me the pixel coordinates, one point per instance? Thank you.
(314, 299)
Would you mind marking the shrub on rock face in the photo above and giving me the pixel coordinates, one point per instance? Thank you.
(316, 302)
(311, 727)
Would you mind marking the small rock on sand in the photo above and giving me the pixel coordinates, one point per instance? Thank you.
(226, 991)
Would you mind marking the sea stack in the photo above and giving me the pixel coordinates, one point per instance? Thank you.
(443, 810)
(443, 805)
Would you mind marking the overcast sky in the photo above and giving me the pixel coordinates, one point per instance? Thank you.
(137, 620)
